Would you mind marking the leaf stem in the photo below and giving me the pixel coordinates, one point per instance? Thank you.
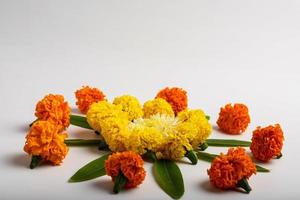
(80, 121)
(279, 156)
(192, 157)
(120, 182)
(35, 161)
(30, 125)
(82, 142)
(203, 146)
(227, 143)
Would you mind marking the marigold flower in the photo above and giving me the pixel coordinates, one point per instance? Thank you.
(267, 142)
(53, 108)
(169, 137)
(130, 164)
(195, 125)
(143, 138)
(175, 96)
(164, 135)
(227, 170)
(233, 119)
(86, 96)
(109, 120)
(174, 147)
(130, 105)
(45, 140)
(157, 106)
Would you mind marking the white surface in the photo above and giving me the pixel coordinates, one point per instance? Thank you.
(219, 51)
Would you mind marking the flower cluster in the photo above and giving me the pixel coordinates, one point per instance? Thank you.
(87, 96)
(233, 119)
(130, 164)
(168, 136)
(45, 139)
(267, 142)
(227, 170)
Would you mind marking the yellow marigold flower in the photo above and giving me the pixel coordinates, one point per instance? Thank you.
(175, 146)
(157, 106)
(109, 120)
(55, 109)
(87, 96)
(158, 134)
(191, 120)
(130, 105)
(45, 140)
(115, 132)
(101, 110)
(143, 137)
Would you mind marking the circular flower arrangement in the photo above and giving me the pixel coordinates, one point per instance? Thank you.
(162, 131)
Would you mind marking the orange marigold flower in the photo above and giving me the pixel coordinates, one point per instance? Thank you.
(176, 97)
(55, 109)
(267, 142)
(45, 140)
(233, 119)
(86, 96)
(227, 170)
(130, 164)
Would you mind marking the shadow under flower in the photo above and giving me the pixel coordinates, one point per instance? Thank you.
(216, 129)
(104, 184)
(207, 186)
(19, 160)
(22, 128)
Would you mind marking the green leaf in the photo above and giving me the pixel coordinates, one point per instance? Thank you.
(207, 117)
(192, 157)
(208, 157)
(168, 176)
(80, 121)
(261, 169)
(243, 183)
(227, 143)
(93, 169)
(81, 142)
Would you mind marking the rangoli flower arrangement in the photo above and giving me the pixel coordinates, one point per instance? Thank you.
(162, 131)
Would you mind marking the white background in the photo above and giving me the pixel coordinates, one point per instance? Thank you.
(219, 51)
